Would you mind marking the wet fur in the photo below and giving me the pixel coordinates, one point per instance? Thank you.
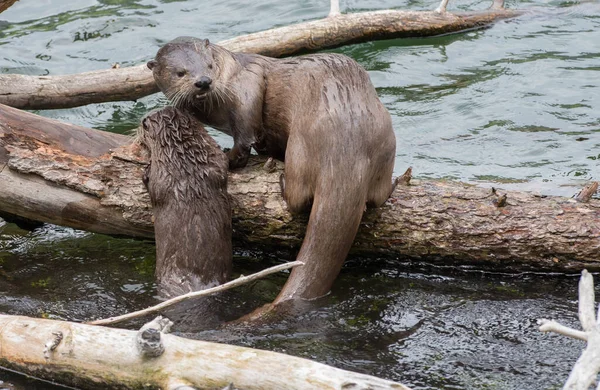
(318, 112)
(187, 182)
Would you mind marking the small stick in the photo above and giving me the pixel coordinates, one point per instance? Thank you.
(195, 294)
(498, 4)
(335, 8)
(555, 327)
(404, 180)
(442, 7)
(587, 299)
(587, 192)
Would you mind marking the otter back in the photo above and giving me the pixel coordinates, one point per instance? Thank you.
(187, 183)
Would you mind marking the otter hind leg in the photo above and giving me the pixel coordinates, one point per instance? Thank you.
(381, 186)
(297, 184)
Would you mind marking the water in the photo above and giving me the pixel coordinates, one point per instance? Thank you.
(515, 106)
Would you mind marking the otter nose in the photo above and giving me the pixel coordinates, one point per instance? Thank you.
(203, 83)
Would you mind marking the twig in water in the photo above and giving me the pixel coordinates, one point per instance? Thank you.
(196, 294)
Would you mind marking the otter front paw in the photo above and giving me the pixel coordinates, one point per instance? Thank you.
(238, 158)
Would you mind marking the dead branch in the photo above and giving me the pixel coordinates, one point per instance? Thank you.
(197, 294)
(586, 368)
(131, 83)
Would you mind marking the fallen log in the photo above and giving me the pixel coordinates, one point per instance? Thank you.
(131, 83)
(94, 357)
(86, 179)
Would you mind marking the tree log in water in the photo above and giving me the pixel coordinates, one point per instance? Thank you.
(87, 179)
(131, 83)
(586, 369)
(94, 357)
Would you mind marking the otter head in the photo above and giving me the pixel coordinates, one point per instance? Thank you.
(186, 70)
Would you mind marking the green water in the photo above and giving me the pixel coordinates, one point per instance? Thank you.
(516, 106)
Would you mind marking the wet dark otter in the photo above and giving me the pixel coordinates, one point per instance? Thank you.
(187, 182)
(318, 112)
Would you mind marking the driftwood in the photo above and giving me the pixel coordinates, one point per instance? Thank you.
(131, 83)
(86, 179)
(585, 371)
(94, 357)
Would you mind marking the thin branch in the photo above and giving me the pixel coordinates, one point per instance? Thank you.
(587, 317)
(335, 8)
(498, 4)
(553, 326)
(442, 7)
(196, 294)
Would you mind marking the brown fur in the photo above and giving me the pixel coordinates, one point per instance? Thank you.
(318, 112)
(187, 182)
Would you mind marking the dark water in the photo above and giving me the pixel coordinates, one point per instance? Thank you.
(429, 328)
(515, 105)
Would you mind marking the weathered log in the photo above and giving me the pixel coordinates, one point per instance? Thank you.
(94, 357)
(63, 174)
(131, 83)
(4, 4)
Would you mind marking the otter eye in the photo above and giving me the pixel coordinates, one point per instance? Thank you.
(180, 73)
(210, 66)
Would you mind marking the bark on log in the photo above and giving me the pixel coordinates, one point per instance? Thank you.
(64, 174)
(4, 4)
(131, 83)
(94, 357)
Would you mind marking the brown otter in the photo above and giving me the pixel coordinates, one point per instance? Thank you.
(319, 112)
(187, 182)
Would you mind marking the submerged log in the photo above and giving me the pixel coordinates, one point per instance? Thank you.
(94, 357)
(131, 83)
(91, 180)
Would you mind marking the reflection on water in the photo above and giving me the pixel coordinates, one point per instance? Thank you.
(515, 105)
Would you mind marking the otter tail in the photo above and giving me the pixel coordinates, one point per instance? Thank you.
(334, 220)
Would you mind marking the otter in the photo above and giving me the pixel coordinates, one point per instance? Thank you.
(187, 183)
(319, 113)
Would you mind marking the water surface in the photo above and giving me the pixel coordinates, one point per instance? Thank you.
(515, 106)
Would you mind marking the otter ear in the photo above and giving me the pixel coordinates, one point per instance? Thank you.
(206, 43)
(151, 64)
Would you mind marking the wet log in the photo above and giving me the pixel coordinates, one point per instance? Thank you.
(131, 83)
(94, 357)
(91, 180)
